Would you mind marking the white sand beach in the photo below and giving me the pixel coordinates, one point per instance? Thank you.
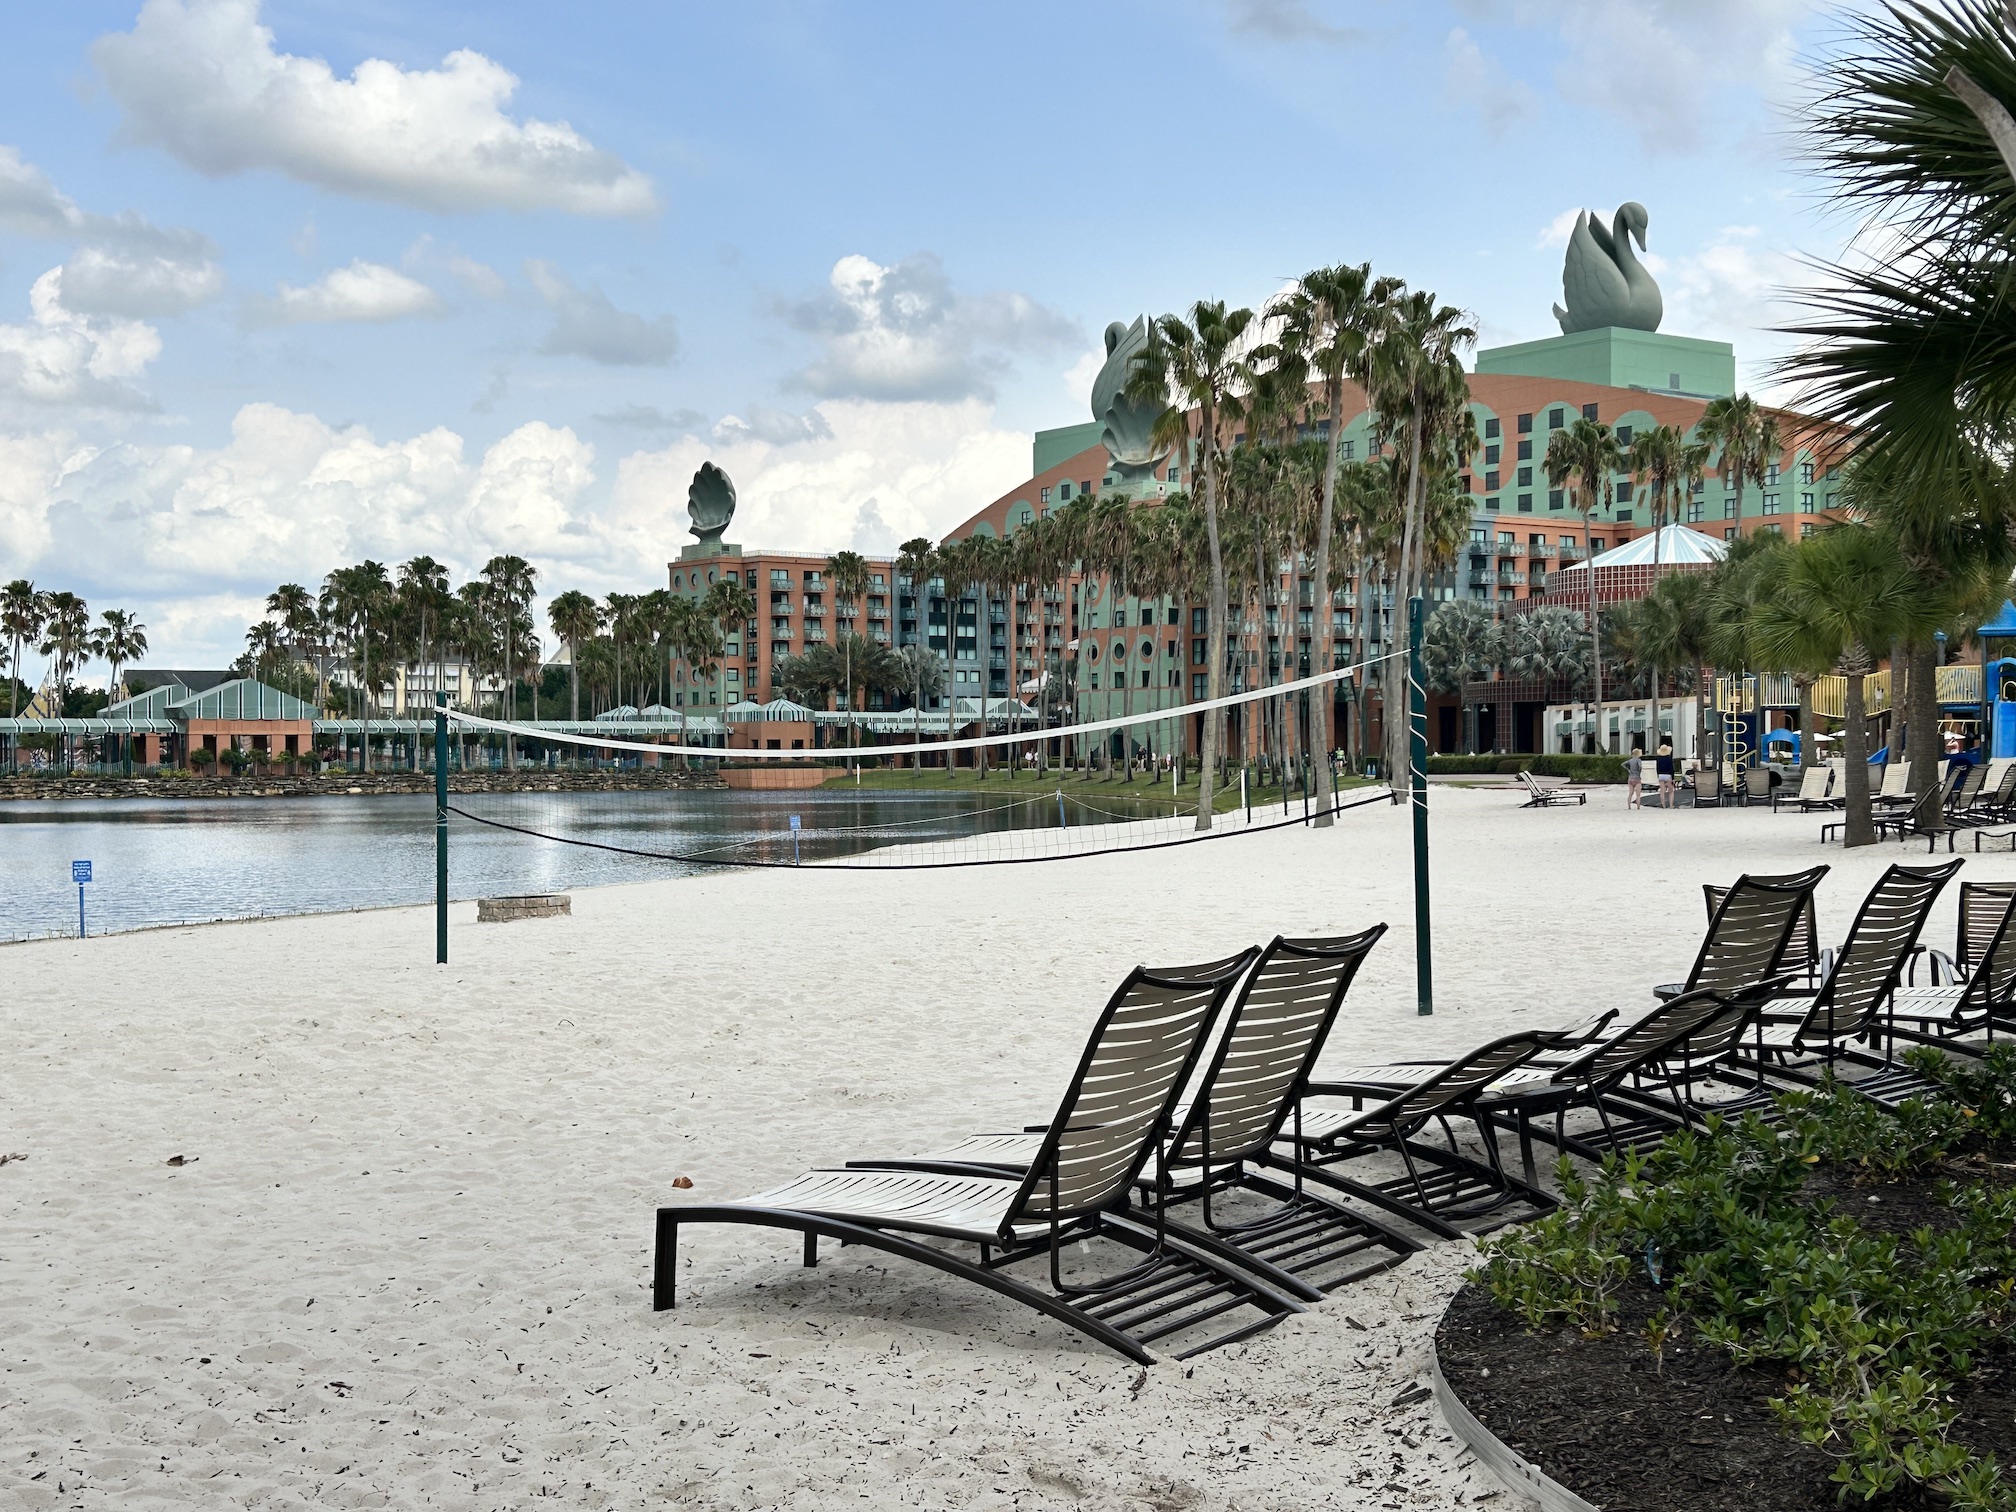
(406, 1260)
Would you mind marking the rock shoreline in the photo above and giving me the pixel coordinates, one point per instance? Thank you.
(343, 784)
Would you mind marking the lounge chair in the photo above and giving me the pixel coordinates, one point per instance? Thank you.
(1546, 797)
(1750, 953)
(1974, 990)
(1896, 789)
(1758, 783)
(1812, 793)
(1109, 1125)
(1797, 1037)
(1926, 818)
(1442, 1190)
(1242, 1099)
(1802, 952)
(1708, 789)
(1993, 804)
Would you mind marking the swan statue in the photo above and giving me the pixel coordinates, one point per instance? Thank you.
(1602, 279)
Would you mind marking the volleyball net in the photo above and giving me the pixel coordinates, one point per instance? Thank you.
(912, 799)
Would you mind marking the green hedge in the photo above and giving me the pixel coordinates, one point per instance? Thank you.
(1574, 768)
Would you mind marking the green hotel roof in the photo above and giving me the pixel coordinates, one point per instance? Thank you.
(241, 698)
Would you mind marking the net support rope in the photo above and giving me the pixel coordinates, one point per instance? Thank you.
(1232, 825)
(924, 747)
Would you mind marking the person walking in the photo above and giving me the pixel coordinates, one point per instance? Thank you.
(1634, 778)
(1663, 765)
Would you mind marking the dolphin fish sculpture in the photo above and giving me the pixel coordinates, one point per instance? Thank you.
(1602, 279)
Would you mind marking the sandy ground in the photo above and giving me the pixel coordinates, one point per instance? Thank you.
(406, 1263)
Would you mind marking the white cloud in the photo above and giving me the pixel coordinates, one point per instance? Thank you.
(901, 333)
(1286, 21)
(478, 278)
(648, 417)
(1659, 65)
(202, 80)
(125, 265)
(364, 291)
(62, 357)
(778, 427)
(1472, 80)
(1078, 377)
(1557, 231)
(586, 324)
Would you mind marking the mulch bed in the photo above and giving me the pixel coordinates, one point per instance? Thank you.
(1691, 1433)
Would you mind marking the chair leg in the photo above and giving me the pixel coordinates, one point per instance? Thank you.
(665, 1263)
(811, 1250)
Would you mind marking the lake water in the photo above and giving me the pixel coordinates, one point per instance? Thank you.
(171, 861)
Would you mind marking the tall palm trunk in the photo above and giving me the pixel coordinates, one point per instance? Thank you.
(1921, 740)
(1899, 683)
(1215, 630)
(1809, 750)
(1323, 699)
(1860, 829)
(1595, 637)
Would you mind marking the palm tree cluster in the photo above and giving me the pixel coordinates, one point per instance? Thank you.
(58, 625)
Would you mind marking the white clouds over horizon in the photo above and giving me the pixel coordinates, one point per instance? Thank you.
(203, 81)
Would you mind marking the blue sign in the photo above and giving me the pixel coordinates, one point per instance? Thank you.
(794, 825)
(80, 872)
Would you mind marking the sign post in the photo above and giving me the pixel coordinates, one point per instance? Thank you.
(794, 840)
(80, 873)
(441, 829)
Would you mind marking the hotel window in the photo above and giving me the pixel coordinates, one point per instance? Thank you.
(1554, 499)
(1771, 476)
(1555, 418)
(1805, 472)
(1491, 428)
(1347, 449)
(1525, 503)
(1623, 435)
(1025, 516)
(1525, 425)
(1729, 532)
(1770, 503)
(779, 578)
(1805, 530)
(678, 581)
(1595, 544)
(1095, 679)
(1622, 494)
(1490, 480)
(1525, 451)
(1775, 529)
(1197, 625)
(1175, 618)
(1491, 506)
(1197, 656)
(1525, 477)
(1731, 507)
(1695, 509)
(1467, 485)
(1063, 490)
(1673, 380)
(1490, 456)
(1199, 685)
(1805, 501)
(1588, 412)
(1043, 496)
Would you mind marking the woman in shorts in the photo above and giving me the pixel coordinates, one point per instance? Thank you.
(1663, 764)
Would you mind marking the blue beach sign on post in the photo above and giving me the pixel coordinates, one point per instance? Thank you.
(794, 839)
(80, 873)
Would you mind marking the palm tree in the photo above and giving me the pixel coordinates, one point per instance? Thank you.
(1843, 593)
(1661, 460)
(23, 611)
(576, 618)
(422, 590)
(1461, 642)
(509, 584)
(847, 571)
(913, 568)
(953, 563)
(1584, 456)
(1672, 632)
(729, 608)
(66, 637)
(1197, 364)
(356, 601)
(120, 639)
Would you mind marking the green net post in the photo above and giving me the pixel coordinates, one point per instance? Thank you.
(1417, 784)
(441, 828)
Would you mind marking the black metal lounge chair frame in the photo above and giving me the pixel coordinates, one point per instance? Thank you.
(1181, 1283)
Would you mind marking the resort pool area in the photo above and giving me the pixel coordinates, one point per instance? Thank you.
(173, 861)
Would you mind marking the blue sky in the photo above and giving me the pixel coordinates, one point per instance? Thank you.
(287, 285)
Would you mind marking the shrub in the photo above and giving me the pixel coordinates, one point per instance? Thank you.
(1574, 768)
(1868, 1326)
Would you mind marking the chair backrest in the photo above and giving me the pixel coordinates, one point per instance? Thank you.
(1971, 780)
(1526, 776)
(1867, 967)
(1707, 786)
(1456, 1083)
(1750, 932)
(1896, 780)
(1757, 781)
(1983, 907)
(1813, 782)
(1274, 1031)
(1666, 1032)
(1802, 951)
(1991, 984)
(2004, 791)
(1133, 1067)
